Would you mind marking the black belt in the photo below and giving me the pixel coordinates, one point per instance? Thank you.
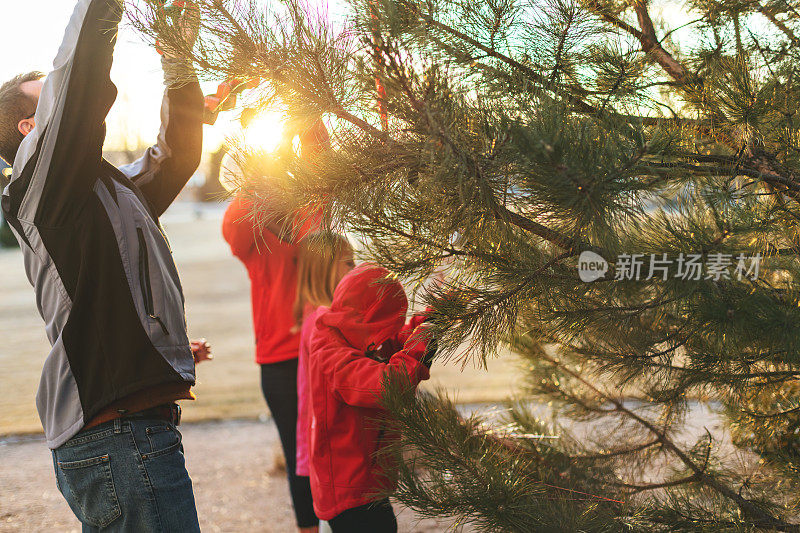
(169, 412)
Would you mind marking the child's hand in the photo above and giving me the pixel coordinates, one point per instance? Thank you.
(201, 351)
(410, 329)
(423, 343)
(431, 347)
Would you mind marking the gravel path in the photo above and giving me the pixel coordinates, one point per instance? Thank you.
(235, 467)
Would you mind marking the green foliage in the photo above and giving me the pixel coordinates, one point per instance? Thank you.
(523, 486)
(517, 136)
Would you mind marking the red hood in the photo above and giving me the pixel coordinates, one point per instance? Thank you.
(368, 308)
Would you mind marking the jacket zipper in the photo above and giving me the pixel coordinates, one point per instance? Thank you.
(144, 281)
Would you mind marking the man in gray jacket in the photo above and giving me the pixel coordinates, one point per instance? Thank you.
(105, 282)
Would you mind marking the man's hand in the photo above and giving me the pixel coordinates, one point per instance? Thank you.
(186, 25)
(201, 351)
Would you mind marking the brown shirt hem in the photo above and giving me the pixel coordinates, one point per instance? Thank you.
(141, 401)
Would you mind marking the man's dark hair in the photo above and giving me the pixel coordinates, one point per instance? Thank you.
(15, 105)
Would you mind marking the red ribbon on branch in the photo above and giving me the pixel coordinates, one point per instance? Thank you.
(379, 87)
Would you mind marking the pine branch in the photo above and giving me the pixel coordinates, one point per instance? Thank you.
(618, 453)
(658, 486)
(647, 38)
(771, 415)
(503, 213)
(760, 517)
(651, 45)
(574, 100)
(790, 187)
(770, 14)
(499, 211)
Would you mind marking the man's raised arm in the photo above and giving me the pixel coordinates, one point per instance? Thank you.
(58, 162)
(166, 167)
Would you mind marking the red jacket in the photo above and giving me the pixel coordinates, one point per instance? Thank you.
(272, 266)
(345, 386)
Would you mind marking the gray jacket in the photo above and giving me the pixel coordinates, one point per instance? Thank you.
(95, 253)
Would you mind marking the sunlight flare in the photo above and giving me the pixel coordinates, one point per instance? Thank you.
(265, 131)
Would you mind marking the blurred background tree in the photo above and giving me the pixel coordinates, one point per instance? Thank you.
(7, 239)
(500, 140)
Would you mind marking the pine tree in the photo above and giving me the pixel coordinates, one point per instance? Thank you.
(504, 141)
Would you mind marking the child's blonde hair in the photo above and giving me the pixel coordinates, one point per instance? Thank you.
(317, 267)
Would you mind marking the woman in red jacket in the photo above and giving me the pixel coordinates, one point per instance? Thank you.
(356, 345)
(271, 266)
(270, 256)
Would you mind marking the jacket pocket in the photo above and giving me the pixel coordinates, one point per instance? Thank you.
(145, 283)
(88, 487)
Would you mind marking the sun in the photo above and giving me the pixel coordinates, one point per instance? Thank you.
(265, 131)
(261, 137)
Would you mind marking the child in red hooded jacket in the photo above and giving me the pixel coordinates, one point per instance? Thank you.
(357, 343)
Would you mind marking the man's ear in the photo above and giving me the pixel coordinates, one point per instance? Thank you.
(26, 125)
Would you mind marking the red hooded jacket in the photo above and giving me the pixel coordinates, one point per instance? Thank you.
(345, 386)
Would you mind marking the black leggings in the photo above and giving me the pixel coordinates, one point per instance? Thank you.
(279, 385)
(375, 517)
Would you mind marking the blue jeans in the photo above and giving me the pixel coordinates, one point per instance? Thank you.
(127, 475)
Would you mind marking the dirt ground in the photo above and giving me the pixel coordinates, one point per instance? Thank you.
(237, 485)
